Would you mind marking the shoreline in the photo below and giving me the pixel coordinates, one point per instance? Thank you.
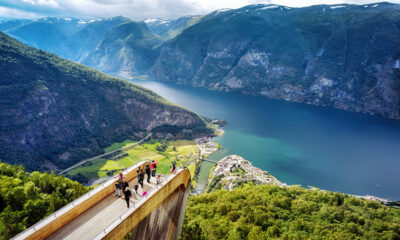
(201, 189)
(258, 176)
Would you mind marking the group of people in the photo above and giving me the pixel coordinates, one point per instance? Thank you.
(122, 183)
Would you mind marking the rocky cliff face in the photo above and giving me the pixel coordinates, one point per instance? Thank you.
(55, 111)
(344, 56)
(168, 29)
(126, 50)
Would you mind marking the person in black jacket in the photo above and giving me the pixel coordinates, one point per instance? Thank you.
(128, 195)
(141, 177)
(117, 189)
(148, 172)
(138, 173)
(125, 185)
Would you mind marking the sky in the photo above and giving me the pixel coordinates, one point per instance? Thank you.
(139, 9)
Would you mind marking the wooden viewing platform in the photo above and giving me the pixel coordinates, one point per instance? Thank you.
(99, 214)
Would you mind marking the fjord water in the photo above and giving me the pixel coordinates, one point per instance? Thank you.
(299, 143)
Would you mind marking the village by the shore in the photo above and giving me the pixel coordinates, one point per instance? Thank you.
(234, 171)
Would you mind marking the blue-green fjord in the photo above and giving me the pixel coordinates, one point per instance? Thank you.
(302, 144)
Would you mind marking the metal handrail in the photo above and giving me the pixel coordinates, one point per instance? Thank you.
(37, 226)
(119, 219)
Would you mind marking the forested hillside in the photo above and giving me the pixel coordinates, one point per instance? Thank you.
(55, 112)
(343, 56)
(26, 198)
(270, 212)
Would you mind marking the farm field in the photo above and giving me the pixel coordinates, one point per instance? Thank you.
(180, 151)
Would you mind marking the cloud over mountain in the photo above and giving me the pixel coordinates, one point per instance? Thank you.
(137, 9)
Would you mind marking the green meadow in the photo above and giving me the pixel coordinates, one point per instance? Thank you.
(178, 151)
(118, 145)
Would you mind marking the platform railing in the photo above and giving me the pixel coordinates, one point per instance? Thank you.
(136, 205)
(37, 226)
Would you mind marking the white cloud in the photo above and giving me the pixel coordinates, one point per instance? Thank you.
(48, 3)
(141, 9)
(15, 13)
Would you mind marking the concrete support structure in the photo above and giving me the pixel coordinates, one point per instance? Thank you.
(160, 216)
(163, 222)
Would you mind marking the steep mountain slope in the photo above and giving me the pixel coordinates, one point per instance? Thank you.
(81, 44)
(168, 29)
(56, 111)
(8, 24)
(71, 38)
(44, 33)
(126, 50)
(345, 56)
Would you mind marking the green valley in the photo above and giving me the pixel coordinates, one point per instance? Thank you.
(179, 151)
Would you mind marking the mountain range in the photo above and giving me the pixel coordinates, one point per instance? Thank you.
(55, 112)
(343, 56)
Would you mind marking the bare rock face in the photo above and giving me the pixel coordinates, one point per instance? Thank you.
(347, 57)
(55, 111)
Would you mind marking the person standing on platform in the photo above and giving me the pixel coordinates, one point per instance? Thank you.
(138, 173)
(117, 189)
(128, 195)
(125, 185)
(118, 184)
(141, 177)
(153, 168)
(148, 173)
(173, 167)
(158, 180)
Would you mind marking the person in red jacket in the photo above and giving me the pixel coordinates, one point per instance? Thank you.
(153, 168)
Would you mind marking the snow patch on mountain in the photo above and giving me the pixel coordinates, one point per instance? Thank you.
(269, 7)
(338, 6)
(396, 64)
